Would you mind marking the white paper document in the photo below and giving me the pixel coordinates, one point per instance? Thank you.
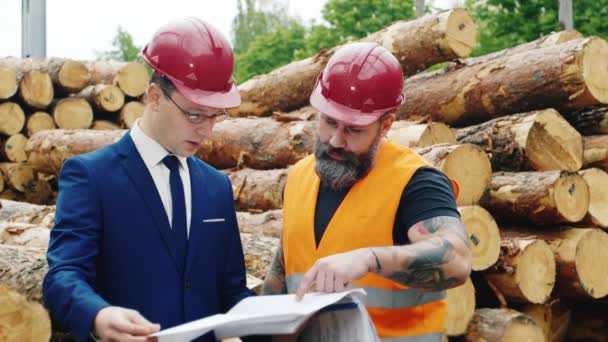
(282, 314)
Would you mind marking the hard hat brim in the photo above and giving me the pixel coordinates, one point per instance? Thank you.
(215, 99)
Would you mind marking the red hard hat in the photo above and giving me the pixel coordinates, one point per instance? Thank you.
(360, 83)
(197, 58)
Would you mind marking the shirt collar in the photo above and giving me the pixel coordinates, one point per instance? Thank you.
(151, 151)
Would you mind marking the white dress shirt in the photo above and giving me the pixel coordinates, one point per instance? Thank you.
(153, 153)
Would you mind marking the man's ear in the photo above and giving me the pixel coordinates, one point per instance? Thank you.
(386, 124)
(153, 95)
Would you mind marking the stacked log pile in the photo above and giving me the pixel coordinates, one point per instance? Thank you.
(524, 132)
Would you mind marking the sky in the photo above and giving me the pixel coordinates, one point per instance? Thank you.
(78, 28)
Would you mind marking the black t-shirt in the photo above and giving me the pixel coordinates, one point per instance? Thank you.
(428, 194)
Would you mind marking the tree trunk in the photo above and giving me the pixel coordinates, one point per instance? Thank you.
(23, 269)
(525, 271)
(13, 149)
(132, 78)
(542, 198)
(101, 125)
(484, 236)
(596, 152)
(258, 190)
(597, 216)
(590, 121)
(540, 140)
(269, 223)
(103, 97)
(505, 325)
(39, 121)
(21, 212)
(567, 77)
(36, 89)
(12, 118)
(22, 320)
(553, 317)
(466, 164)
(260, 143)
(73, 113)
(461, 308)
(18, 176)
(417, 44)
(259, 252)
(130, 112)
(9, 82)
(48, 150)
(69, 76)
(409, 134)
(39, 191)
(24, 234)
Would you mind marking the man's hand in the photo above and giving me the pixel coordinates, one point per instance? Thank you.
(119, 324)
(335, 272)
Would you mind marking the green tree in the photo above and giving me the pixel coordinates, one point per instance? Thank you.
(124, 49)
(506, 23)
(255, 18)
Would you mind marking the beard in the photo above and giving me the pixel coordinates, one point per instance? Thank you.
(342, 174)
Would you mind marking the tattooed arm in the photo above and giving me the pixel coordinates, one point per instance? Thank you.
(274, 283)
(438, 258)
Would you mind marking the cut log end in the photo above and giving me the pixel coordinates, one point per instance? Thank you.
(8, 83)
(571, 196)
(536, 272)
(553, 144)
(22, 320)
(484, 236)
(101, 125)
(597, 180)
(131, 112)
(471, 168)
(461, 308)
(39, 121)
(595, 73)
(461, 32)
(133, 79)
(503, 325)
(14, 148)
(592, 264)
(36, 89)
(12, 118)
(74, 76)
(421, 135)
(73, 113)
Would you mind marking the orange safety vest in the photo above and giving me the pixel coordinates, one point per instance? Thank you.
(365, 218)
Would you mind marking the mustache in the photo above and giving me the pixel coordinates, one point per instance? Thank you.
(325, 149)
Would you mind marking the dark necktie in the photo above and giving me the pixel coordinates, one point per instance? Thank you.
(178, 202)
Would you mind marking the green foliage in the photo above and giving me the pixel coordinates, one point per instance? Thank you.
(255, 18)
(124, 49)
(506, 23)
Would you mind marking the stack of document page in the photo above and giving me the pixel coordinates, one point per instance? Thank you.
(337, 317)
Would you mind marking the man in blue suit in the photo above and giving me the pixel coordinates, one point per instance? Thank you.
(145, 234)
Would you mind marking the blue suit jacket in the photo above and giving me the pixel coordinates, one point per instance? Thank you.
(111, 244)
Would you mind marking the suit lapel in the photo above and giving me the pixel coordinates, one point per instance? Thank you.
(200, 211)
(142, 179)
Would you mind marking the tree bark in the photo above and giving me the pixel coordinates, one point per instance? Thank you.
(68, 76)
(597, 215)
(417, 44)
(101, 125)
(461, 308)
(484, 236)
(409, 134)
(259, 252)
(130, 112)
(467, 164)
(73, 113)
(132, 78)
(553, 317)
(588, 325)
(269, 223)
(9, 82)
(260, 143)
(541, 198)
(525, 271)
(48, 150)
(24, 234)
(103, 97)
(258, 190)
(23, 269)
(12, 118)
(540, 140)
(13, 149)
(18, 176)
(39, 121)
(590, 121)
(504, 325)
(595, 152)
(36, 89)
(566, 77)
(21, 212)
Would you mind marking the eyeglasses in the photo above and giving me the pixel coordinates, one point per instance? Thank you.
(196, 118)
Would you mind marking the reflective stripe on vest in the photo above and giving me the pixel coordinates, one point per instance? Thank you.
(381, 298)
(420, 338)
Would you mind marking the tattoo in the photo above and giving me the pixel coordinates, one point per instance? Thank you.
(378, 265)
(274, 282)
(425, 270)
(442, 224)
